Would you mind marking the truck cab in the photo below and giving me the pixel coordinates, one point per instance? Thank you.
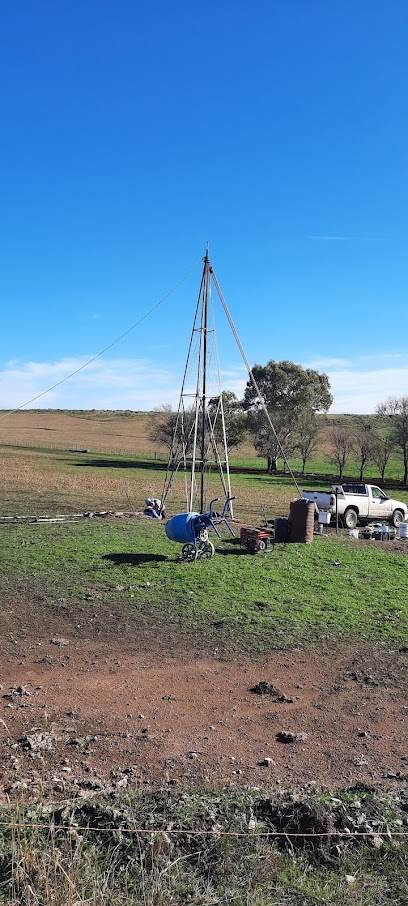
(358, 501)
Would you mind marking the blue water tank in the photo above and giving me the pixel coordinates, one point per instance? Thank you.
(181, 528)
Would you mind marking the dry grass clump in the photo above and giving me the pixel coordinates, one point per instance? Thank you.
(143, 854)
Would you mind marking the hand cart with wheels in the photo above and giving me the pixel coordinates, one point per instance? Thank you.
(191, 530)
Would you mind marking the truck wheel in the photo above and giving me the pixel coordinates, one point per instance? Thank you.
(396, 518)
(350, 518)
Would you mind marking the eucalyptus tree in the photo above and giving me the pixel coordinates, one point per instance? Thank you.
(291, 394)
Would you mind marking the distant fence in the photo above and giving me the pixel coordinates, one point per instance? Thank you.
(34, 445)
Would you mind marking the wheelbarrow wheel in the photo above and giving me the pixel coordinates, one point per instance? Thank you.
(207, 550)
(189, 552)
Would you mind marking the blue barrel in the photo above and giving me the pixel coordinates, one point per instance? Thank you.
(281, 529)
(181, 528)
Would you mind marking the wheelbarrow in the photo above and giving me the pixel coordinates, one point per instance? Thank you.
(191, 530)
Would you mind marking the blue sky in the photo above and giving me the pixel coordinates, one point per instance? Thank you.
(133, 133)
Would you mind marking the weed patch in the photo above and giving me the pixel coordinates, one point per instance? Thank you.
(203, 848)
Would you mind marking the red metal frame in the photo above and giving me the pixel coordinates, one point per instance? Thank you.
(255, 539)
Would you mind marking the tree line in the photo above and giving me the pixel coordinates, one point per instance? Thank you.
(297, 400)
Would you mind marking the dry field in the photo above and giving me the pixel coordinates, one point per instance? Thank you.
(42, 482)
(43, 468)
(98, 432)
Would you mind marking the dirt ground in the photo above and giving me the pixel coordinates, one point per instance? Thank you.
(81, 712)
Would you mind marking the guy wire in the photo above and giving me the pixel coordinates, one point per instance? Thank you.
(102, 352)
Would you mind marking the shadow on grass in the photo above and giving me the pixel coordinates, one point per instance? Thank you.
(230, 551)
(232, 546)
(134, 559)
(249, 472)
(270, 479)
(149, 464)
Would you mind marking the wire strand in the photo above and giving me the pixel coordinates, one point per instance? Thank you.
(199, 833)
(102, 352)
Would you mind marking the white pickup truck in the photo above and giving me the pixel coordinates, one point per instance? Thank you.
(358, 502)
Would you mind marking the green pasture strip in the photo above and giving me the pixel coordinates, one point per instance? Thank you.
(144, 849)
(332, 589)
(319, 465)
(323, 465)
(250, 463)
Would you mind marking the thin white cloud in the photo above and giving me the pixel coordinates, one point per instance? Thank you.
(333, 238)
(382, 356)
(356, 390)
(104, 384)
(237, 373)
(142, 384)
(329, 238)
(234, 379)
(328, 362)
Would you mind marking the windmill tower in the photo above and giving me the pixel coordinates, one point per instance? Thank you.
(199, 443)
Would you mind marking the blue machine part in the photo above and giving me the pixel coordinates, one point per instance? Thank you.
(182, 528)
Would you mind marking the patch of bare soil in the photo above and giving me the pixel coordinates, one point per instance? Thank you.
(148, 709)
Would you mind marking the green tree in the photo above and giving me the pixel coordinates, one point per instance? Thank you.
(268, 444)
(291, 394)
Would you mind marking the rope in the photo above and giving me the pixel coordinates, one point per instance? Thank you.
(102, 352)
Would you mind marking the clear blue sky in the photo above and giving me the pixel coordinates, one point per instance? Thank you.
(133, 133)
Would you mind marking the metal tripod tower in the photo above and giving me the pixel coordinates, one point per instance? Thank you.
(199, 443)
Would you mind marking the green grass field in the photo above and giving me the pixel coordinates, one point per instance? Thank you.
(332, 589)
